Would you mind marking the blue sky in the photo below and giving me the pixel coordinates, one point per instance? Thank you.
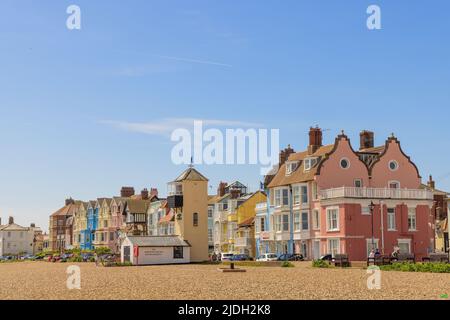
(281, 64)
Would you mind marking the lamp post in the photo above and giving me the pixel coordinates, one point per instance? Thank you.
(372, 207)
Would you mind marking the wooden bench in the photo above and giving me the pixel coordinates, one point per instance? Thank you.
(341, 260)
(436, 257)
(379, 261)
(404, 257)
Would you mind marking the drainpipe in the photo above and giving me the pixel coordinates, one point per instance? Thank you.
(382, 226)
(291, 222)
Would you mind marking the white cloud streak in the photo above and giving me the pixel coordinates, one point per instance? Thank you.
(166, 126)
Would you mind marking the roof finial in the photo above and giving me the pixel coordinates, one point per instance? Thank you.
(392, 135)
(191, 165)
(342, 132)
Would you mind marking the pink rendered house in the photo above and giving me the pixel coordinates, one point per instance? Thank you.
(320, 201)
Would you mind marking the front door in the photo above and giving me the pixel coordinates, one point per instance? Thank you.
(126, 254)
(317, 250)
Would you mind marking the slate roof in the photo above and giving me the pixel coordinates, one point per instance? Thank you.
(191, 174)
(158, 241)
(299, 175)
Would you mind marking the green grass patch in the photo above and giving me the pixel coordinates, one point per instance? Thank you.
(321, 264)
(431, 267)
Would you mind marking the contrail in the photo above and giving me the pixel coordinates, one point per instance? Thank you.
(196, 61)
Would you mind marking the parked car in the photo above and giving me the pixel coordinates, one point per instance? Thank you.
(226, 256)
(327, 257)
(241, 257)
(27, 257)
(268, 257)
(87, 256)
(291, 257)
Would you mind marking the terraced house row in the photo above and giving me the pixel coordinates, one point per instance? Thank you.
(327, 199)
(331, 199)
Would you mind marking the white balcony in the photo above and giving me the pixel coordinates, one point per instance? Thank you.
(376, 193)
(242, 242)
(266, 236)
(261, 206)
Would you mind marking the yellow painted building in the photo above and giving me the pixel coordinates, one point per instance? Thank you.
(188, 198)
(79, 223)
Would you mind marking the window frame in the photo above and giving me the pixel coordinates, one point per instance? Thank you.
(391, 219)
(178, 253)
(303, 221)
(348, 163)
(337, 228)
(410, 228)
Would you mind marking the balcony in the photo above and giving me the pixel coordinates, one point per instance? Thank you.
(221, 216)
(261, 206)
(266, 236)
(376, 193)
(242, 242)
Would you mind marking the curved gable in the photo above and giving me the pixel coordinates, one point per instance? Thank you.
(407, 173)
(330, 174)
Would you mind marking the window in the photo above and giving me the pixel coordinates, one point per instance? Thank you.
(333, 219)
(277, 197)
(105, 223)
(305, 221)
(345, 163)
(365, 211)
(315, 191)
(102, 237)
(371, 244)
(358, 183)
(316, 220)
(304, 192)
(393, 165)
(178, 252)
(210, 235)
(333, 247)
(394, 185)
(111, 236)
(309, 163)
(195, 219)
(225, 206)
(296, 195)
(210, 212)
(278, 223)
(404, 245)
(260, 225)
(297, 221)
(285, 197)
(285, 222)
(391, 219)
(291, 167)
(9, 234)
(21, 234)
(412, 219)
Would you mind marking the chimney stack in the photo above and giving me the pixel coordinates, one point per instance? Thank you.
(284, 154)
(0, 221)
(153, 192)
(32, 225)
(221, 189)
(431, 183)
(69, 202)
(11, 220)
(144, 194)
(315, 139)
(127, 192)
(367, 140)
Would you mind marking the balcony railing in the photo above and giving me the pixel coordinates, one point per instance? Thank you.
(261, 206)
(242, 242)
(376, 193)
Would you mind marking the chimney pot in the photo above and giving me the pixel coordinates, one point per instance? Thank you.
(11, 220)
(32, 225)
(431, 183)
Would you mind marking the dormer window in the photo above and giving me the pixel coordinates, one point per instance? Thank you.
(291, 167)
(309, 163)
